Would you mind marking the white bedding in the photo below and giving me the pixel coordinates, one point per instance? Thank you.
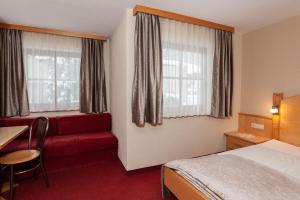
(275, 154)
(270, 170)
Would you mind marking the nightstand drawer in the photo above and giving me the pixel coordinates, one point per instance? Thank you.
(235, 143)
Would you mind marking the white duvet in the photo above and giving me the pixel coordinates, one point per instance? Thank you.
(266, 171)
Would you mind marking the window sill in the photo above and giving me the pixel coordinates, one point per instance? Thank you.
(187, 116)
(54, 113)
(195, 116)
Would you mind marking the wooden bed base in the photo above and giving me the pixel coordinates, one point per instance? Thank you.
(180, 187)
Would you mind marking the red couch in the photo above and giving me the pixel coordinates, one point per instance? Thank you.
(69, 135)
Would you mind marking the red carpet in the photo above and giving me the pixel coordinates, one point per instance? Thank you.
(95, 179)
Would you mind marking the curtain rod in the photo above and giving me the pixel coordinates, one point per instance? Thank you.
(52, 31)
(182, 18)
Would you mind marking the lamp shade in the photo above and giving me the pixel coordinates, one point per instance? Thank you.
(274, 110)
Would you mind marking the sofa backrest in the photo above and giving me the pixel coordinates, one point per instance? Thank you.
(63, 125)
(22, 121)
(83, 123)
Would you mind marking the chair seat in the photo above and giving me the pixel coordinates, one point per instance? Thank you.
(18, 157)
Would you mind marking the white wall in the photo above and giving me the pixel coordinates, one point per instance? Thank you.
(118, 87)
(271, 63)
(106, 57)
(176, 138)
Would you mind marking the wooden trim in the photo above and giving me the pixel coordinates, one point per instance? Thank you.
(276, 126)
(52, 31)
(259, 116)
(289, 120)
(277, 97)
(182, 18)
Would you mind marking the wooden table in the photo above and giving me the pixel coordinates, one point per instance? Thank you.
(7, 135)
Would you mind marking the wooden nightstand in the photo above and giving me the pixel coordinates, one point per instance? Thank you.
(235, 140)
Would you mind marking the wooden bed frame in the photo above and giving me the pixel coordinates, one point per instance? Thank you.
(180, 187)
(287, 129)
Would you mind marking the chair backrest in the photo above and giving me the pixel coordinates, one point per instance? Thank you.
(39, 128)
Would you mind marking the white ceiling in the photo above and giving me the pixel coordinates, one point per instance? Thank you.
(102, 16)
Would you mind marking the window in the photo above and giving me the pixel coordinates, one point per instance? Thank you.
(184, 81)
(52, 66)
(187, 69)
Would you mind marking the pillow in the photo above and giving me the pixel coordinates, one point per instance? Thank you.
(282, 147)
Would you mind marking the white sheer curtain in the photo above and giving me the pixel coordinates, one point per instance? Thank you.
(52, 66)
(187, 68)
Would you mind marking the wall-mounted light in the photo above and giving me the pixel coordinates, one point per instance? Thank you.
(274, 110)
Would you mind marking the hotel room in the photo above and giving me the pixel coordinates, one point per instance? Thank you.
(150, 100)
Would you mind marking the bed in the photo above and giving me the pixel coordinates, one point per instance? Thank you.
(270, 170)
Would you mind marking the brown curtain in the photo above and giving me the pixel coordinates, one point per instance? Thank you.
(147, 96)
(222, 75)
(92, 77)
(13, 90)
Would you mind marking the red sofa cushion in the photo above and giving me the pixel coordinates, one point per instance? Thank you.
(68, 145)
(22, 121)
(83, 123)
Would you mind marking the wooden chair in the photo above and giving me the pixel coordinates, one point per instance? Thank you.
(32, 158)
